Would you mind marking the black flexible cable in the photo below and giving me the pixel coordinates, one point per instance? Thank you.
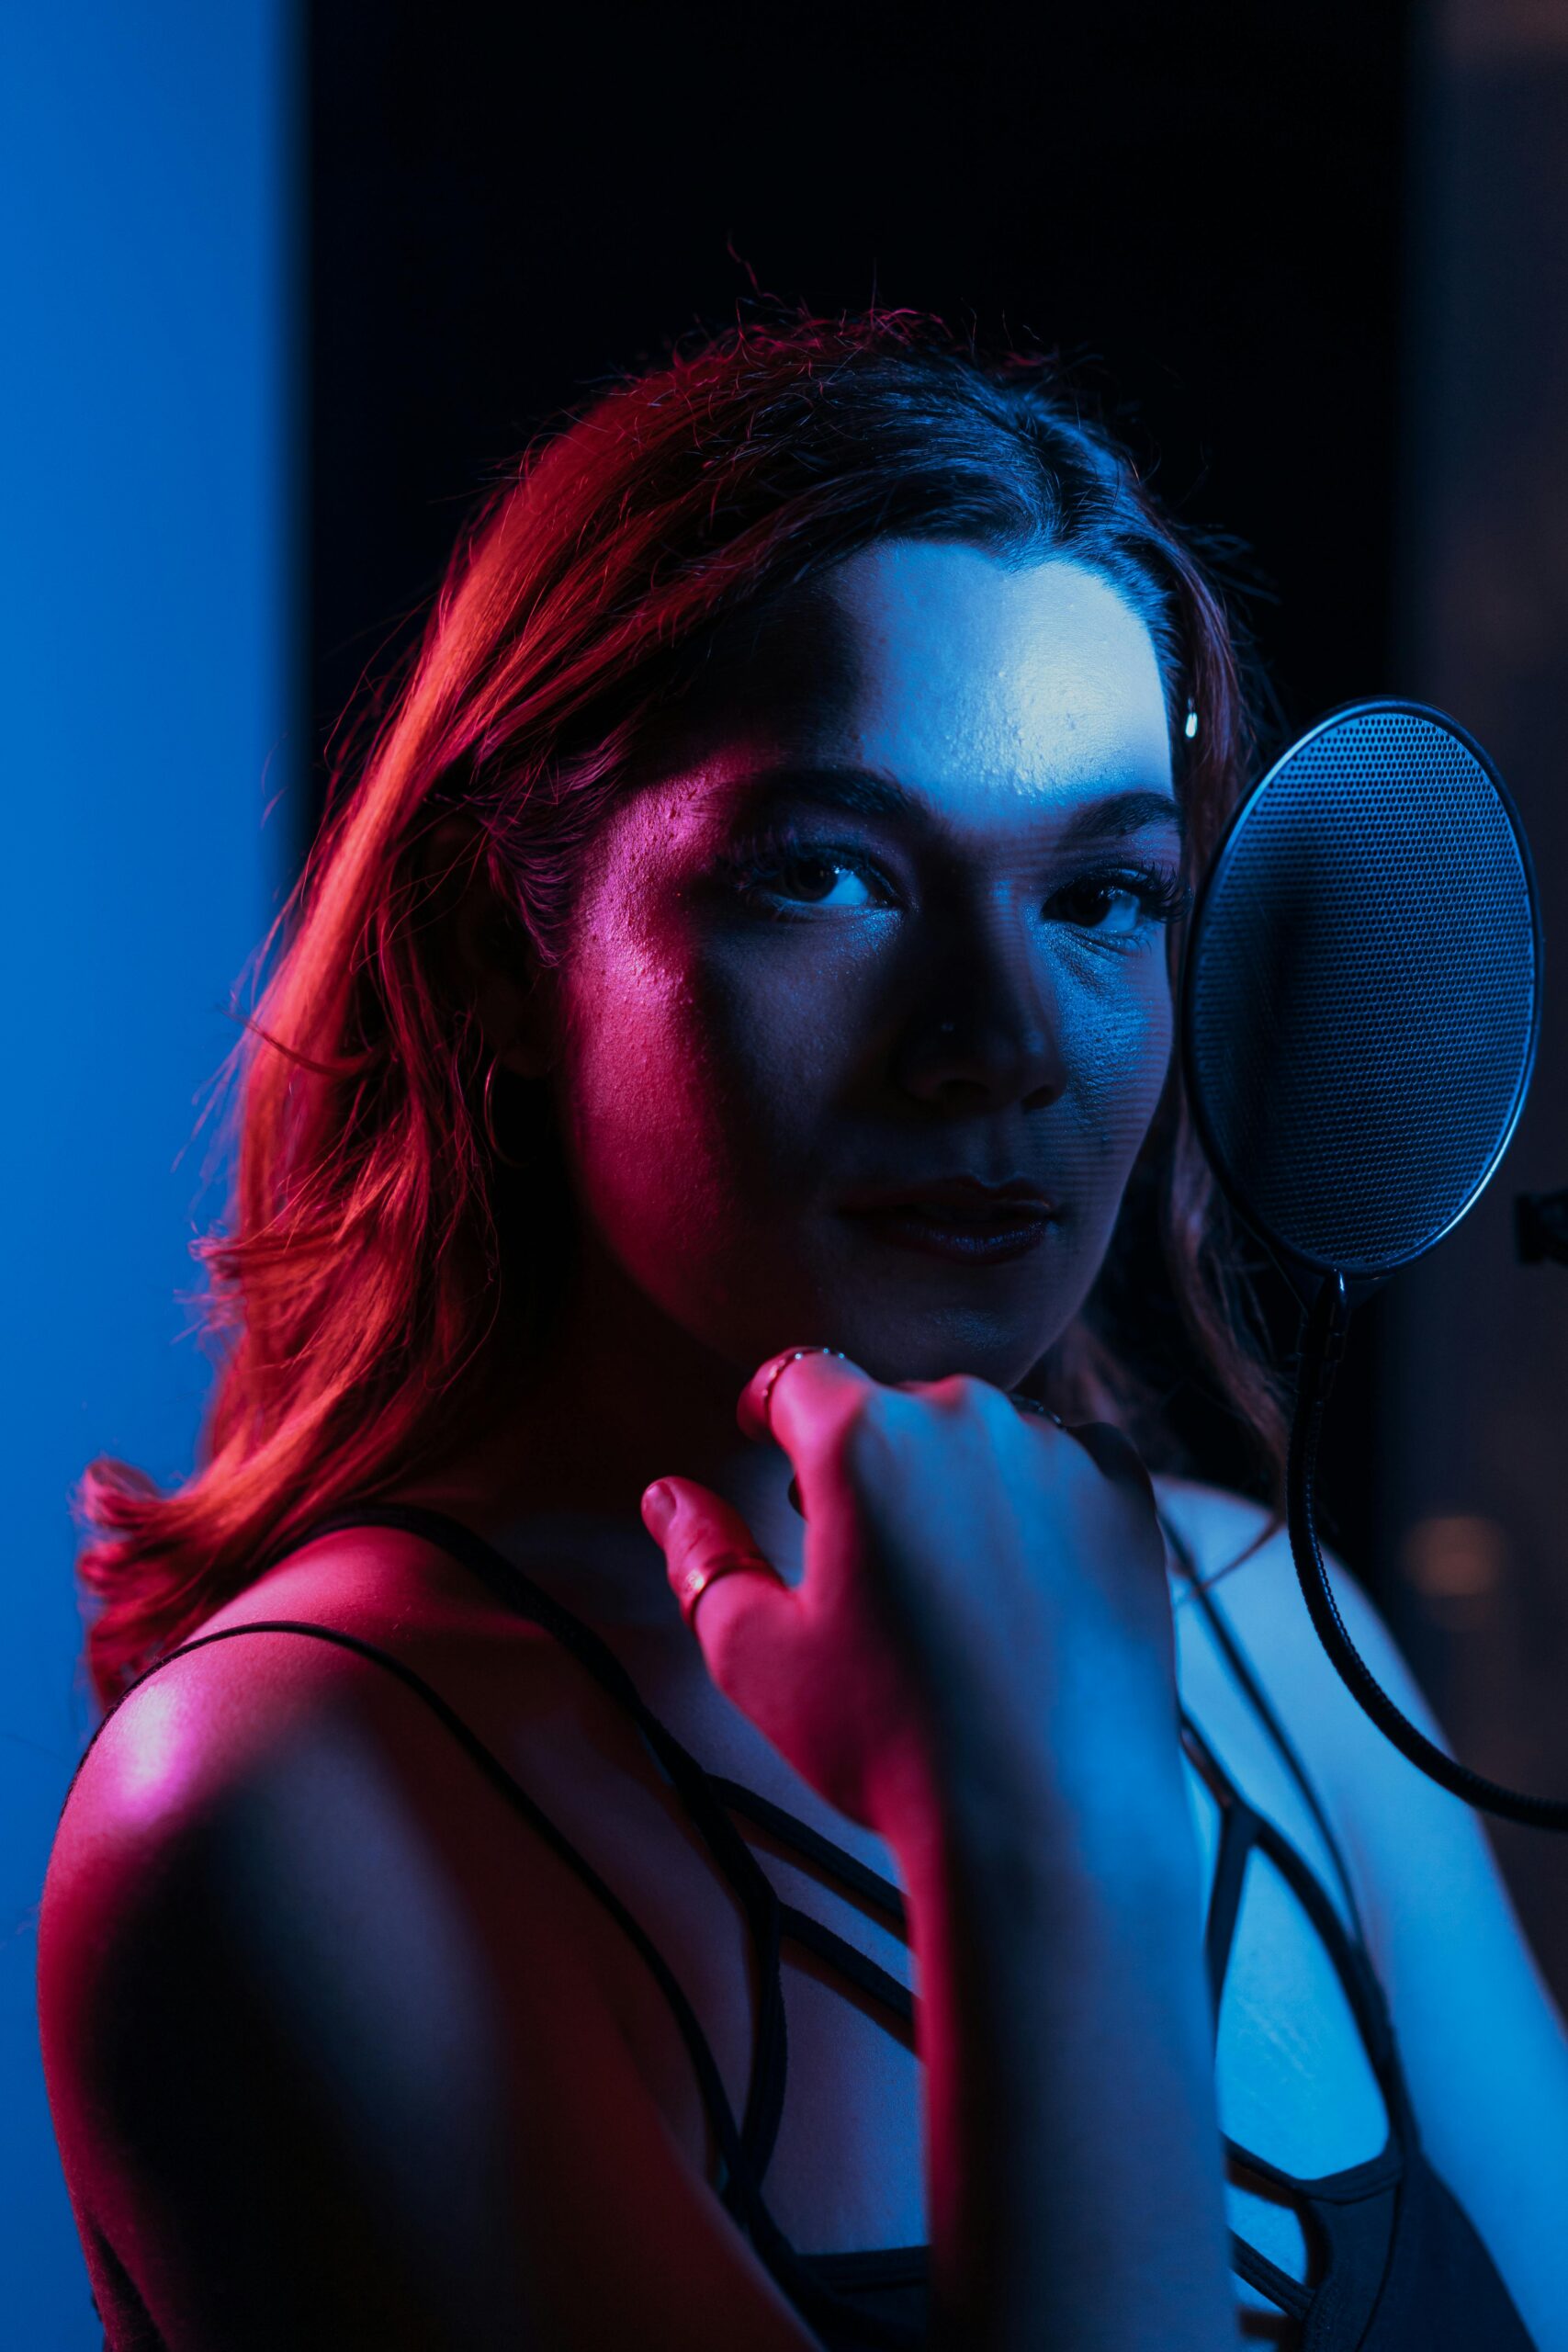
(1323, 1335)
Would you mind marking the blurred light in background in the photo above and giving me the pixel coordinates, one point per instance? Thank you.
(1455, 1563)
(1477, 1351)
(148, 656)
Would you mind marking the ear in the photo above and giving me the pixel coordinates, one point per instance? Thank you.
(489, 958)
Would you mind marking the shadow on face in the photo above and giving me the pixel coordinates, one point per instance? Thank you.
(880, 931)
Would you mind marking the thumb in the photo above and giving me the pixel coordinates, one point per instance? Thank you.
(734, 1600)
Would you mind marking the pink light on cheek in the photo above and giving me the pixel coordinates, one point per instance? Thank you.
(634, 1033)
(645, 1087)
(622, 956)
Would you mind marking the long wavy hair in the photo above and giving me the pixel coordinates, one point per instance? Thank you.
(369, 1268)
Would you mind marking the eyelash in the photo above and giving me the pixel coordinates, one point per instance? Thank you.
(1163, 896)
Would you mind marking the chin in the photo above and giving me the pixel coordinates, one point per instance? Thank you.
(899, 1317)
(898, 1340)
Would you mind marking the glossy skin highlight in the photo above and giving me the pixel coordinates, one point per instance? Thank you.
(752, 1030)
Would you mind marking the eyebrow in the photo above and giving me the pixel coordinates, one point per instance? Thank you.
(863, 792)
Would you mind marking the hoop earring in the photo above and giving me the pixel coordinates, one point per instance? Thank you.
(487, 1121)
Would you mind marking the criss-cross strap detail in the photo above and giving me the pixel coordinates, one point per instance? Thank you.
(1286, 2293)
(1244, 1831)
(1237, 1837)
(1247, 1683)
(873, 1980)
(744, 2150)
(1355, 2213)
(810, 1844)
(852, 1877)
(758, 1896)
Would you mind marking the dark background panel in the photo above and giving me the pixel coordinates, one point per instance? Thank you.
(1476, 1344)
(1202, 208)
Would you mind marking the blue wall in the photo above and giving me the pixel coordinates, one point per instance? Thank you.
(146, 169)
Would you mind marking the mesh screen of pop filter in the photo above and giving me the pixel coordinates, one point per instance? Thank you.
(1360, 1001)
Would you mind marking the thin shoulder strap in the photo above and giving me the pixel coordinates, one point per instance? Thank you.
(758, 1899)
(1229, 1643)
(744, 2151)
(715, 2097)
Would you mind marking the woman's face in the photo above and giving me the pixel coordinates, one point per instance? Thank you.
(881, 925)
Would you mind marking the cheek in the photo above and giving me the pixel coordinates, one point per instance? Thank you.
(1119, 1045)
(630, 1093)
(676, 1090)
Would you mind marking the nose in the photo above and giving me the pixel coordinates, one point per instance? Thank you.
(986, 1032)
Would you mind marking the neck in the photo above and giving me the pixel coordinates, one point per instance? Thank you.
(618, 1396)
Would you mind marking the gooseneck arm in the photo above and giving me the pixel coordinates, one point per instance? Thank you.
(1322, 1346)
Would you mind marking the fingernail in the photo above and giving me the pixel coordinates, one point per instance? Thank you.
(658, 1510)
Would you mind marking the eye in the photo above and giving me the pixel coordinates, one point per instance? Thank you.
(820, 880)
(1113, 907)
(782, 876)
(1118, 906)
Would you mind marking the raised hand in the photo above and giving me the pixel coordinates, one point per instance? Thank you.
(983, 1591)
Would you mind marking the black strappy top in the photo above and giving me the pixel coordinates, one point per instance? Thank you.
(1394, 2264)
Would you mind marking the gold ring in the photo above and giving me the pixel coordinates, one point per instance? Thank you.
(783, 1364)
(695, 1582)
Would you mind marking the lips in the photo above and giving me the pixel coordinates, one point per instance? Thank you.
(959, 1218)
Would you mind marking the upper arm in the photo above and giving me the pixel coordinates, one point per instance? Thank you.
(1482, 2043)
(322, 2074)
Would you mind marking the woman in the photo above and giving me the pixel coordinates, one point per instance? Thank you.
(744, 967)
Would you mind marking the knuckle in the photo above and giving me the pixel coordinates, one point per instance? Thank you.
(877, 1434)
(964, 1399)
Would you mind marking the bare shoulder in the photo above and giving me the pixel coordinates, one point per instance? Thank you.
(1244, 1562)
(335, 2048)
(294, 1659)
(1379, 1801)
(262, 1759)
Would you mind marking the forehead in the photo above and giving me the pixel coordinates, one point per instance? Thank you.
(977, 681)
(963, 669)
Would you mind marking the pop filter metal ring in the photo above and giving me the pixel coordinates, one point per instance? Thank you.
(1328, 1293)
(1299, 1265)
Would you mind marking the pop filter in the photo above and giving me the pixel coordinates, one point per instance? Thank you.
(1359, 1010)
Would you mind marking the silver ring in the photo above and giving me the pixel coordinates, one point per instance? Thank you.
(1032, 1404)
